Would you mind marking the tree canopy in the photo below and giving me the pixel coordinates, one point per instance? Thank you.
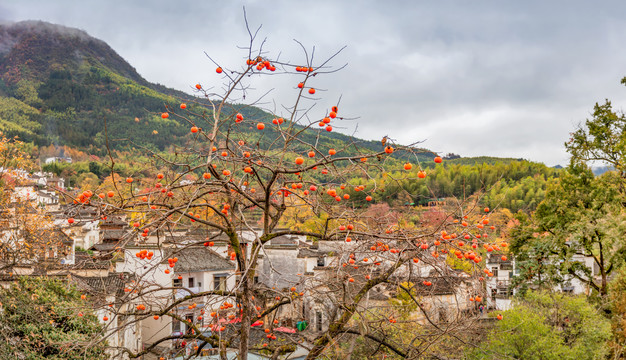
(548, 326)
(581, 215)
(47, 319)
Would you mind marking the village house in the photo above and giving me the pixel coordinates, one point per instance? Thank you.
(200, 269)
(499, 289)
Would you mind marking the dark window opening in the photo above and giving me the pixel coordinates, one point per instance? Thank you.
(494, 270)
(189, 318)
(318, 320)
(175, 326)
(219, 282)
(321, 262)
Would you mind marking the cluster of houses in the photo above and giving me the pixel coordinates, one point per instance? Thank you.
(121, 270)
(500, 290)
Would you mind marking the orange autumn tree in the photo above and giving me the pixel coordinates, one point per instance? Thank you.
(27, 233)
(241, 176)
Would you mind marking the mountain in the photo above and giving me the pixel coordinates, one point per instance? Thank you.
(599, 170)
(34, 49)
(60, 86)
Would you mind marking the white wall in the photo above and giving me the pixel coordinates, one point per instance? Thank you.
(150, 275)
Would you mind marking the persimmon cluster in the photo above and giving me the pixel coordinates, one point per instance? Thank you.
(144, 254)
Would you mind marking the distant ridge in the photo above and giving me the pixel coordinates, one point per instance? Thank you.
(58, 85)
(46, 47)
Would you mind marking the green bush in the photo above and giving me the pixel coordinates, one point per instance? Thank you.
(548, 326)
(47, 319)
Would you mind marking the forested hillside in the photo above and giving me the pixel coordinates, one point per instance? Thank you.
(60, 86)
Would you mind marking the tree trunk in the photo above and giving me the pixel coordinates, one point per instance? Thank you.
(603, 285)
(351, 349)
(222, 349)
(244, 331)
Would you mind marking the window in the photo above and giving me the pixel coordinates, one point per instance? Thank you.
(321, 262)
(191, 282)
(175, 326)
(318, 320)
(494, 270)
(567, 287)
(199, 284)
(219, 282)
(177, 283)
(494, 292)
(189, 318)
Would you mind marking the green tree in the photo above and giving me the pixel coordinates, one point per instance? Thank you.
(580, 215)
(547, 326)
(602, 138)
(95, 168)
(46, 319)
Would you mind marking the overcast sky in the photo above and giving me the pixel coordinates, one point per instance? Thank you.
(498, 78)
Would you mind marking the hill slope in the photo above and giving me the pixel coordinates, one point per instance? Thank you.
(58, 85)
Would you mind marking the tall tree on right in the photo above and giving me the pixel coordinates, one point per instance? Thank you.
(582, 215)
(602, 138)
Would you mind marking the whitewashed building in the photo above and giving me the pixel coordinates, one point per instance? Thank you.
(499, 289)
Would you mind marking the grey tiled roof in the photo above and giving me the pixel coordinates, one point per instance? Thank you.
(82, 260)
(311, 253)
(307, 253)
(108, 246)
(113, 234)
(285, 240)
(100, 286)
(200, 258)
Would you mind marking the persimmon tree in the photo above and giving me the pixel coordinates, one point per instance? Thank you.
(243, 174)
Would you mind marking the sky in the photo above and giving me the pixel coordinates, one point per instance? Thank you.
(492, 78)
